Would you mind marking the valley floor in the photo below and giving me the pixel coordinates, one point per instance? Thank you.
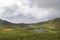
(23, 34)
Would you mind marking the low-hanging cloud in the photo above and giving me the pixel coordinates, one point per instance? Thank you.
(29, 11)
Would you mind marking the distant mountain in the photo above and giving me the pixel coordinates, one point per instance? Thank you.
(47, 24)
(4, 22)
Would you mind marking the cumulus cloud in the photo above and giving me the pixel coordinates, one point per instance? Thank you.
(29, 11)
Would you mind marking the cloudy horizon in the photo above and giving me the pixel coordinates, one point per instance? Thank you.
(29, 11)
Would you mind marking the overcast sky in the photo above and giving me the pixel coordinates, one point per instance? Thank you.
(29, 11)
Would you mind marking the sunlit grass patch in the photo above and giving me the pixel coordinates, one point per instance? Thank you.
(50, 31)
(7, 30)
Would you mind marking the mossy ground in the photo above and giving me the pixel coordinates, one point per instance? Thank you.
(23, 34)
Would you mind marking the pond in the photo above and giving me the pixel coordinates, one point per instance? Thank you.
(40, 30)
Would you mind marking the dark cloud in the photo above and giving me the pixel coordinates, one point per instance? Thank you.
(46, 3)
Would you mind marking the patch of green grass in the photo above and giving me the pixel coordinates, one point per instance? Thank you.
(15, 32)
(23, 34)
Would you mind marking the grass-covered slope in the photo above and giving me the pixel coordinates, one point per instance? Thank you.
(25, 31)
(50, 26)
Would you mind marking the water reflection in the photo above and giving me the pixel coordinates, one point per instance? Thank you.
(40, 30)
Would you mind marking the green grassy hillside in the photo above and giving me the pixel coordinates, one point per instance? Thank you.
(49, 30)
(50, 26)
